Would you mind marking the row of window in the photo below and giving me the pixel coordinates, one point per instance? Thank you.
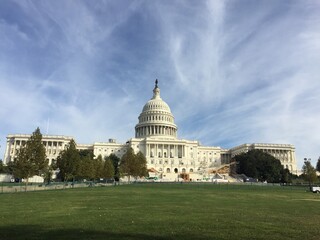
(205, 159)
(48, 151)
(123, 150)
(156, 118)
(165, 155)
(52, 143)
(53, 152)
(176, 170)
(152, 161)
(156, 106)
(206, 153)
(45, 143)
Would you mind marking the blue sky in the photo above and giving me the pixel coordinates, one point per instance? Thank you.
(232, 72)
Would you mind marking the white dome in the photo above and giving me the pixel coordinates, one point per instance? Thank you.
(156, 119)
(156, 105)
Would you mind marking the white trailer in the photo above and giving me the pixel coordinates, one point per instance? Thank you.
(315, 189)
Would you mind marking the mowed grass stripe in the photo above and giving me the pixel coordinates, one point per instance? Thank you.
(162, 211)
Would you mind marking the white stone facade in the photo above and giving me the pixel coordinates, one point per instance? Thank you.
(284, 152)
(156, 137)
(53, 144)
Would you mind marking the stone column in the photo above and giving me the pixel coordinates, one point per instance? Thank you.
(162, 154)
(147, 152)
(175, 151)
(7, 153)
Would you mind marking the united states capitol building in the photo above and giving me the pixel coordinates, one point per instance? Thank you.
(168, 157)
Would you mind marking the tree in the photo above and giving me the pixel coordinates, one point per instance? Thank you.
(127, 163)
(98, 167)
(49, 172)
(260, 165)
(115, 161)
(68, 162)
(9, 168)
(31, 159)
(141, 162)
(286, 176)
(318, 165)
(108, 169)
(309, 172)
(2, 167)
(133, 165)
(86, 168)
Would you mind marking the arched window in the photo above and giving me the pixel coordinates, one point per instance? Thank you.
(183, 170)
(191, 169)
(176, 170)
(168, 170)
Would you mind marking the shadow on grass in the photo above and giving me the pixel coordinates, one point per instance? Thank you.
(32, 232)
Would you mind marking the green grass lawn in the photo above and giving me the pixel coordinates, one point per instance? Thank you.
(162, 211)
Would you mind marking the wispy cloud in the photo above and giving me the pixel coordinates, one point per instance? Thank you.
(231, 71)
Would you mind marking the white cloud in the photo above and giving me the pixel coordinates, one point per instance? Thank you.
(231, 72)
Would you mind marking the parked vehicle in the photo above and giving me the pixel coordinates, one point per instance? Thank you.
(219, 180)
(315, 189)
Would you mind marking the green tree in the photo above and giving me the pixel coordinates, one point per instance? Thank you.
(286, 176)
(309, 172)
(86, 169)
(108, 169)
(132, 164)
(31, 159)
(9, 168)
(86, 166)
(128, 164)
(260, 165)
(318, 165)
(141, 162)
(68, 162)
(2, 167)
(115, 161)
(98, 167)
(49, 173)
